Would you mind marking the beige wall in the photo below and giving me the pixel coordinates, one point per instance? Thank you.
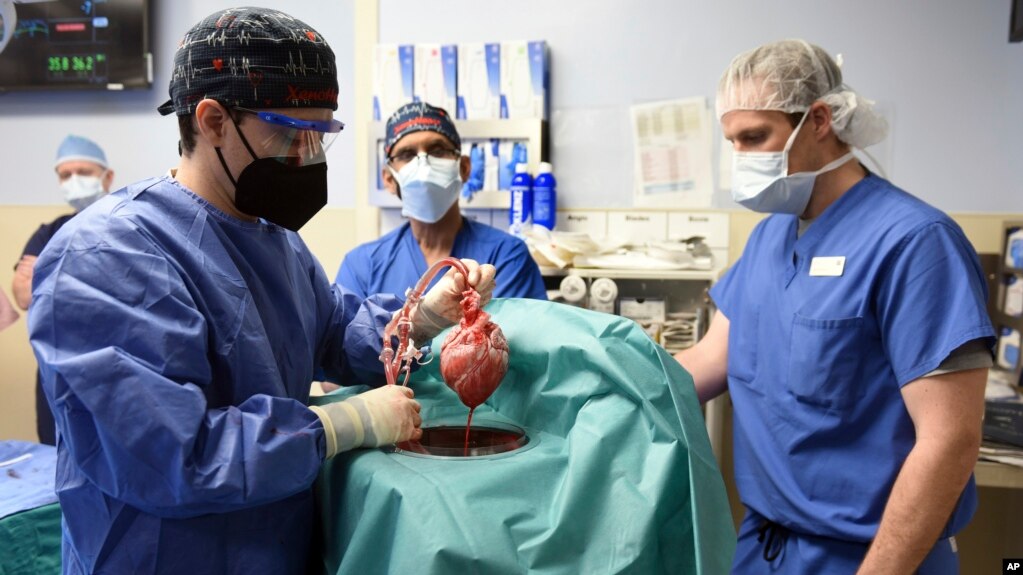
(17, 364)
(330, 235)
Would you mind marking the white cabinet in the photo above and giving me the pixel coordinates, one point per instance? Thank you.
(672, 306)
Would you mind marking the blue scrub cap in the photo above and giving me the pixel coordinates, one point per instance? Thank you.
(83, 149)
(254, 58)
(416, 117)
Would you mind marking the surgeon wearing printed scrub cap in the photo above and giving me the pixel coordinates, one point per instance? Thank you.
(179, 322)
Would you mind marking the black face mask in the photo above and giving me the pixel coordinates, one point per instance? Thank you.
(288, 196)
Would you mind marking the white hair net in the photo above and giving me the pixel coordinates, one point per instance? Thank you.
(789, 76)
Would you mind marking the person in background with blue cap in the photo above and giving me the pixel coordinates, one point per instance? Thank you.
(179, 321)
(425, 169)
(852, 336)
(84, 176)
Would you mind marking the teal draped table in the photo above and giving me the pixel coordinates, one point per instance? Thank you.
(620, 476)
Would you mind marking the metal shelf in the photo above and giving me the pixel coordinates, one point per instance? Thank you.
(487, 200)
(711, 275)
(993, 474)
(1010, 320)
(990, 473)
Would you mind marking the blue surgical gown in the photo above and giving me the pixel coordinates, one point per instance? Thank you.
(177, 346)
(394, 262)
(816, 362)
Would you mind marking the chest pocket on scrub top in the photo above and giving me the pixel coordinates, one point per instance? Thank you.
(826, 361)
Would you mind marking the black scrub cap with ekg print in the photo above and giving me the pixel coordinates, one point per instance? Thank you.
(254, 58)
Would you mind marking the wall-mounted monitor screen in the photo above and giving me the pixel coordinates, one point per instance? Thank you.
(74, 44)
(1016, 22)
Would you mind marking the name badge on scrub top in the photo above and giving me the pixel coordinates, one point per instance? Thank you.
(827, 267)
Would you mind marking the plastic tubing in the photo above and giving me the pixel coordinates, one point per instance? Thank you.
(395, 361)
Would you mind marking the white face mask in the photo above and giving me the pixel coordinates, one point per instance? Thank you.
(429, 187)
(761, 180)
(81, 191)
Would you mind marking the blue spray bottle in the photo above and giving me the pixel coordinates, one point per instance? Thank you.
(545, 197)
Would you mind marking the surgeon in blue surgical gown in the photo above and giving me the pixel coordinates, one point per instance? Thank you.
(178, 323)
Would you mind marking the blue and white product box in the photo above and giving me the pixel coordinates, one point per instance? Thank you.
(1008, 348)
(1013, 304)
(479, 81)
(525, 80)
(436, 73)
(1014, 249)
(393, 71)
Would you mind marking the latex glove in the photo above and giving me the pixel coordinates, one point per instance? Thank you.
(381, 416)
(475, 181)
(441, 306)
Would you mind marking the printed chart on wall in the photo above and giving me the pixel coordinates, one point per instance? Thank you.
(672, 141)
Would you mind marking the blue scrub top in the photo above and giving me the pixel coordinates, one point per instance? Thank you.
(816, 363)
(395, 262)
(177, 346)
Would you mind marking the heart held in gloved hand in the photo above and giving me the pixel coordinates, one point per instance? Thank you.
(474, 357)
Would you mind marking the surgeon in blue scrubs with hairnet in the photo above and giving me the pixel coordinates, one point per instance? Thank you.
(852, 336)
(425, 169)
(178, 324)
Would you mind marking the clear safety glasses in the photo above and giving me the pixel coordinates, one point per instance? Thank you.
(296, 141)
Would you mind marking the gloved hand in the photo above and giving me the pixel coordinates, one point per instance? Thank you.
(373, 418)
(441, 306)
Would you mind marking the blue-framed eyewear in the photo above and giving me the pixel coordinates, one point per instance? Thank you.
(305, 139)
(331, 126)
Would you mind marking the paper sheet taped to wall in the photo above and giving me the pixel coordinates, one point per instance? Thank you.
(672, 141)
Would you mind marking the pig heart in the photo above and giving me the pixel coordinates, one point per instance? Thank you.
(474, 357)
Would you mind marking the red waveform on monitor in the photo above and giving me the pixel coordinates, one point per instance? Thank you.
(70, 27)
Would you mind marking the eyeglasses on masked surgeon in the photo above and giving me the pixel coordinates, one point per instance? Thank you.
(436, 151)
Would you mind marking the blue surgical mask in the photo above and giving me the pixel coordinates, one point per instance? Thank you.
(81, 191)
(762, 183)
(429, 187)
